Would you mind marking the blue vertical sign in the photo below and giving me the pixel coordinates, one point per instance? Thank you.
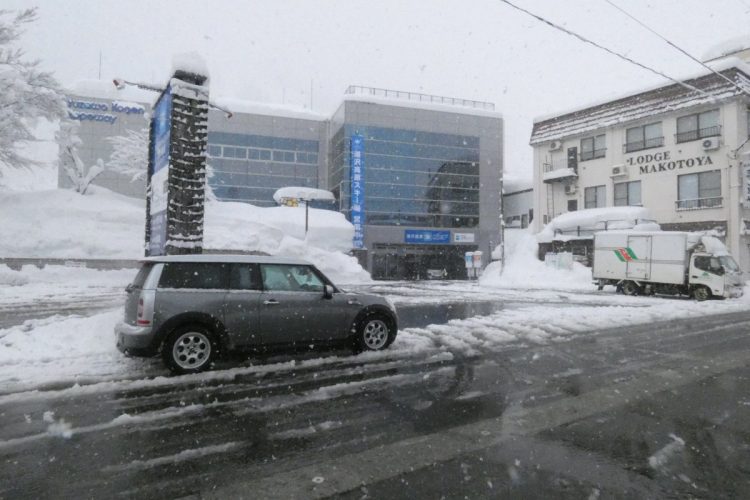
(357, 169)
(159, 173)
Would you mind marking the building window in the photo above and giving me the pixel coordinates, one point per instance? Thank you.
(572, 205)
(697, 191)
(643, 137)
(595, 197)
(698, 126)
(628, 194)
(593, 147)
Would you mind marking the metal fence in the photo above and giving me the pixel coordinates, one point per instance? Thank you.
(416, 96)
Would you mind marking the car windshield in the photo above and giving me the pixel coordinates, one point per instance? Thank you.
(536, 214)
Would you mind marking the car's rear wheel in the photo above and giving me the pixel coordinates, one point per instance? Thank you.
(190, 349)
(375, 332)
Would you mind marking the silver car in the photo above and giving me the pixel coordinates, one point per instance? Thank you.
(190, 308)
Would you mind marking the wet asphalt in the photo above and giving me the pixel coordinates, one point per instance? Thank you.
(650, 411)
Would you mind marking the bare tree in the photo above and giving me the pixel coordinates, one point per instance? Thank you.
(26, 93)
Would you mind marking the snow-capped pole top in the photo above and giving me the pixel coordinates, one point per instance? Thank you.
(191, 63)
(302, 194)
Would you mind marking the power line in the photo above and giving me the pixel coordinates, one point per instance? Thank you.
(609, 51)
(678, 48)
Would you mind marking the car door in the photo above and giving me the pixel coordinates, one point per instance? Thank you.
(293, 306)
(241, 305)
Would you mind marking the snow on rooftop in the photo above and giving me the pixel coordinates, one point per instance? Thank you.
(727, 47)
(105, 89)
(584, 223)
(259, 108)
(720, 65)
(514, 184)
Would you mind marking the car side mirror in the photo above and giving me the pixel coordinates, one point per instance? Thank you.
(328, 291)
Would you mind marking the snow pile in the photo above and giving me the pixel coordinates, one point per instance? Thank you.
(302, 193)
(524, 270)
(60, 223)
(584, 223)
(713, 245)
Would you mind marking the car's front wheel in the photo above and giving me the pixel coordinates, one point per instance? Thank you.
(189, 349)
(375, 332)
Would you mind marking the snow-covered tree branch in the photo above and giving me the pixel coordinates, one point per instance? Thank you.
(69, 160)
(130, 154)
(27, 93)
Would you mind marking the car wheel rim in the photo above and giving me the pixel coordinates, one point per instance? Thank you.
(375, 334)
(191, 350)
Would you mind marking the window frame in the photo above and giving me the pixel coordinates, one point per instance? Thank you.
(631, 147)
(702, 201)
(594, 153)
(699, 132)
(628, 194)
(596, 189)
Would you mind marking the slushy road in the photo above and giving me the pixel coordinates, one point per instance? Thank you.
(655, 410)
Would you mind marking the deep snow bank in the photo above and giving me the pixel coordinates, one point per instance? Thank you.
(524, 270)
(60, 223)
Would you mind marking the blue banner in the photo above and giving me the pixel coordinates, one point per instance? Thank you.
(357, 177)
(161, 126)
(427, 237)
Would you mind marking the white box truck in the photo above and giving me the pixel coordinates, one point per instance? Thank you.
(665, 262)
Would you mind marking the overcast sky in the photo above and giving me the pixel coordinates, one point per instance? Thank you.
(271, 51)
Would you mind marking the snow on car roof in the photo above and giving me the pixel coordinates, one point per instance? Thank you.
(227, 258)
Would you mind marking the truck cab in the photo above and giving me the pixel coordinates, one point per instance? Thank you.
(719, 275)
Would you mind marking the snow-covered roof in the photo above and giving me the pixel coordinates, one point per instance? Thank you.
(661, 99)
(302, 193)
(727, 47)
(226, 258)
(513, 184)
(105, 89)
(259, 108)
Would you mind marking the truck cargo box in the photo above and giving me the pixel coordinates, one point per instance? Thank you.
(653, 256)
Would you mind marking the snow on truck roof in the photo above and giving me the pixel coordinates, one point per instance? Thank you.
(227, 259)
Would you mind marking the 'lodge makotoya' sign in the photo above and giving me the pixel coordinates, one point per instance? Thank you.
(663, 162)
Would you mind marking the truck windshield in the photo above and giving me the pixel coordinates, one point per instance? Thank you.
(728, 263)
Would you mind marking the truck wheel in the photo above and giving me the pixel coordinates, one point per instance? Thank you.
(701, 293)
(631, 288)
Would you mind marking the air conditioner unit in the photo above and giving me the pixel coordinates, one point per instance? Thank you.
(711, 143)
(619, 171)
(555, 145)
(570, 189)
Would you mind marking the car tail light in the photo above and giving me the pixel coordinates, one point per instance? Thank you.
(145, 309)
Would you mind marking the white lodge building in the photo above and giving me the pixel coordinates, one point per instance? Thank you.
(678, 152)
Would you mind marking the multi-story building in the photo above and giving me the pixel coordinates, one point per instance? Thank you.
(678, 150)
(428, 176)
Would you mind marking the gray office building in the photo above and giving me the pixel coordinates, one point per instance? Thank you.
(425, 187)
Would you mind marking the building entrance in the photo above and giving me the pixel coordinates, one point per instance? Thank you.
(412, 262)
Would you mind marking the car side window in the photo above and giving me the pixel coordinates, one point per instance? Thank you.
(290, 278)
(194, 275)
(244, 277)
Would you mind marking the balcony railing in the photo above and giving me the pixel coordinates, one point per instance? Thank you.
(700, 203)
(416, 96)
(596, 153)
(654, 142)
(694, 135)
